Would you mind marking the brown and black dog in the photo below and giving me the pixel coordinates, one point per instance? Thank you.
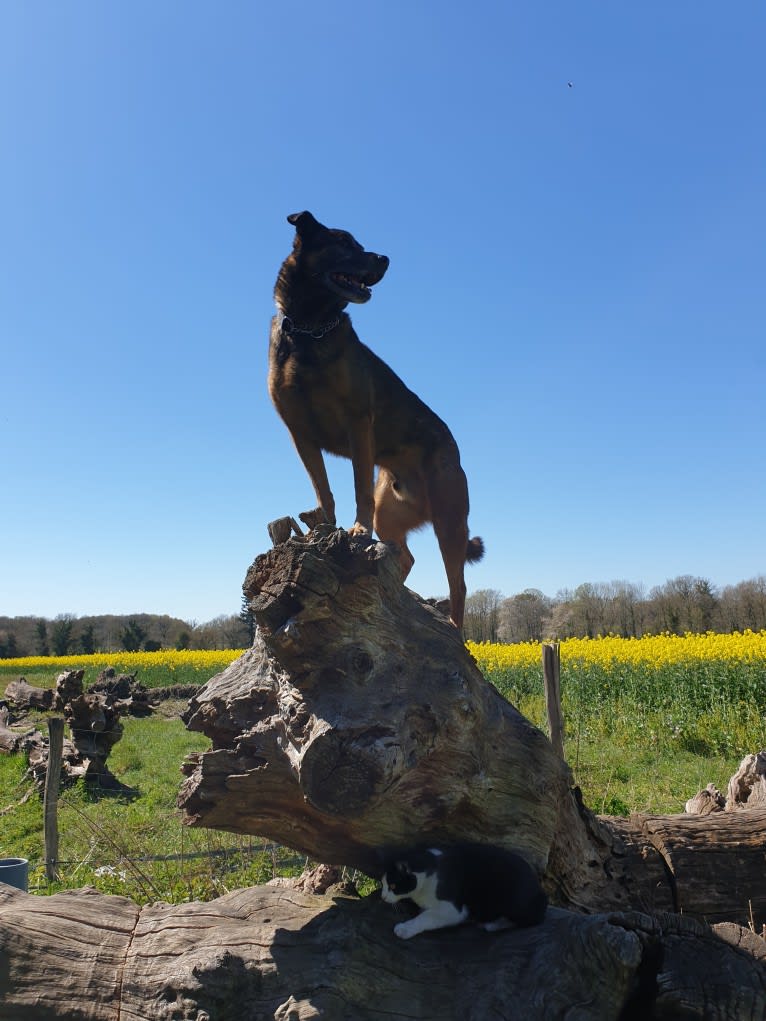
(334, 394)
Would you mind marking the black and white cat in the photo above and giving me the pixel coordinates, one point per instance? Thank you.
(461, 882)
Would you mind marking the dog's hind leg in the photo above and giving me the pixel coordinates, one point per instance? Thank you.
(395, 516)
(453, 541)
(448, 492)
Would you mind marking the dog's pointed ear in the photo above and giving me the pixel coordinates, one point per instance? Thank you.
(304, 223)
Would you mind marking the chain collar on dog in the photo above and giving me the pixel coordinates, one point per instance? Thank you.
(286, 325)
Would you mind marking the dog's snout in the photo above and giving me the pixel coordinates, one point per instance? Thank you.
(383, 262)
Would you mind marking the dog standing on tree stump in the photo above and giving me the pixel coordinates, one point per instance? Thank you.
(334, 394)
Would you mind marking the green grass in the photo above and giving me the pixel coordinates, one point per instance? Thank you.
(648, 747)
(106, 839)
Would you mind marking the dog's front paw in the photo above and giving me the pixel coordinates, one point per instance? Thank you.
(359, 529)
(406, 930)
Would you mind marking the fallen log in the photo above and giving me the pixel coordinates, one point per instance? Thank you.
(26, 696)
(282, 954)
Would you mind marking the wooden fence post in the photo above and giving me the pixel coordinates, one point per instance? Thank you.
(552, 682)
(51, 796)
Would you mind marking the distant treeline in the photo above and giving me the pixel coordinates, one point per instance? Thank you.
(71, 635)
(681, 605)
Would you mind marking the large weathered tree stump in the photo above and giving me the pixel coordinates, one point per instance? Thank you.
(358, 722)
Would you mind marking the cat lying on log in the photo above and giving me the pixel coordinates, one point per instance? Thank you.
(464, 882)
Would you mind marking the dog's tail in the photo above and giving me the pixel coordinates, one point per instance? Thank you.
(475, 550)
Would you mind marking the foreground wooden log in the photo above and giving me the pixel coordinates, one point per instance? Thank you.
(358, 721)
(284, 955)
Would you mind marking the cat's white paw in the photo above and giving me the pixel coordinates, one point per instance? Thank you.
(496, 926)
(406, 930)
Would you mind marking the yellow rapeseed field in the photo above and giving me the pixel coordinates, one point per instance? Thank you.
(704, 693)
(168, 666)
(651, 651)
(165, 659)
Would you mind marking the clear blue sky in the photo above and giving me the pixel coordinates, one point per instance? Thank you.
(576, 282)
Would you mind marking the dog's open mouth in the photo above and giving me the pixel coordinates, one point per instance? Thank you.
(348, 286)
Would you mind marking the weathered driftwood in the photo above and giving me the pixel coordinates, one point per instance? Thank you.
(25, 696)
(124, 692)
(747, 788)
(706, 801)
(358, 721)
(69, 685)
(10, 740)
(94, 724)
(714, 864)
(284, 955)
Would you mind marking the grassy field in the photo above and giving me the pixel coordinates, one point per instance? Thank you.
(648, 723)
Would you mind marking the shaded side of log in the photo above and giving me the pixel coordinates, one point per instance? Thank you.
(272, 953)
